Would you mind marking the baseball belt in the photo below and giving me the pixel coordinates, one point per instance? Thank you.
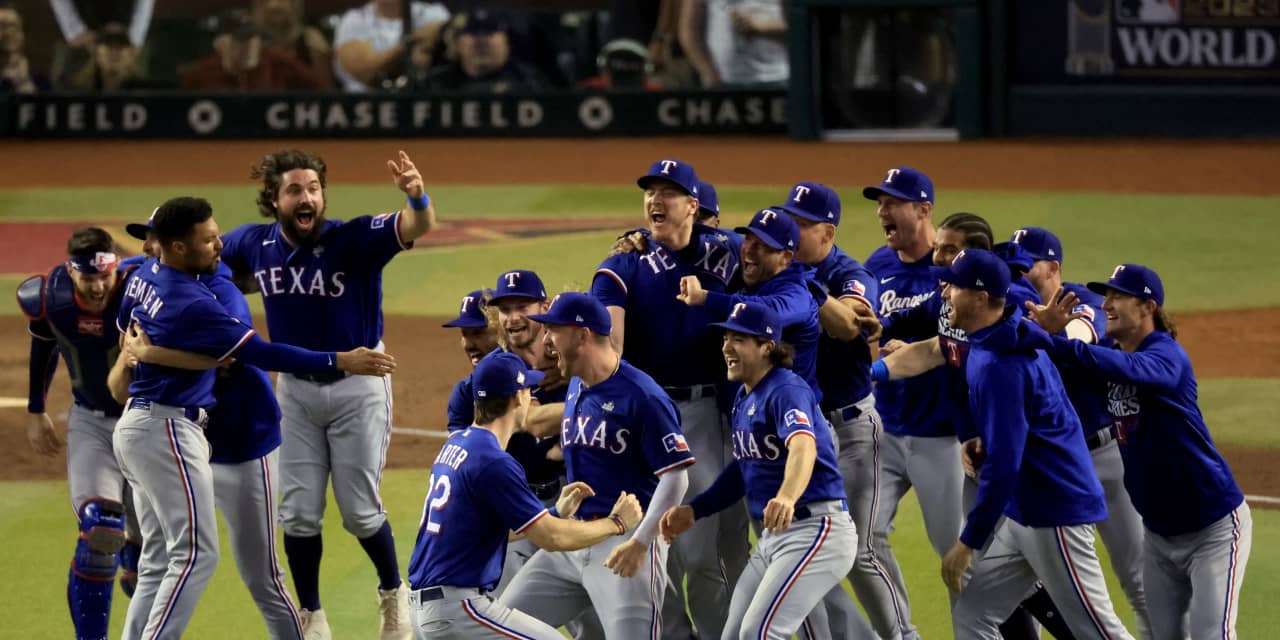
(451, 594)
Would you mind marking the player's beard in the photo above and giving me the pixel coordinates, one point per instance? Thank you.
(295, 232)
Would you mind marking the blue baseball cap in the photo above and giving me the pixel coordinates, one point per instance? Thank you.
(1015, 256)
(140, 230)
(501, 375)
(903, 183)
(1135, 280)
(519, 283)
(980, 270)
(813, 201)
(707, 198)
(775, 229)
(471, 312)
(753, 319)
(676, 171)
(578, 309)
(1039, 243)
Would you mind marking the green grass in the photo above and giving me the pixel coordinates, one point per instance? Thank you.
(1242, 411)
(40, 527)
(1200, 244)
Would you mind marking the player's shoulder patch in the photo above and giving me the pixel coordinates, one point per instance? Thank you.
(854, 288)
(796, 417)
(674, 442)
(31, 297)
(1086, 311)
(380, 220)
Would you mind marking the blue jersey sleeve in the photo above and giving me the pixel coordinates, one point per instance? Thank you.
(233, 248)
(998, 403)
(791, 404)
(792, 304)
(1158, 367)
(461, 409)
(507, 494)
(664, 445)
(210, 330)
(609, 285)
(857, 284)
(371, 241)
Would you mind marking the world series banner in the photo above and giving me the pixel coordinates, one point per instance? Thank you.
(1146, 41)
(186, 116)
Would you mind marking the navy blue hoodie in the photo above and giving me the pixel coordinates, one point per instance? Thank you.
(1037, 470)
(1178, 481)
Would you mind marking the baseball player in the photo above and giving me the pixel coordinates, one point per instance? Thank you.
(919, 448)
(309, 267)
(159, 440)
(1037, 496)
(785, 464)
(844, 375)
(1122, 531)
(1198, 528)
(674, 344)
(70, 314)
(772, 277)
(478, 335)
(244, 435)
(476, 494)
(620, 433)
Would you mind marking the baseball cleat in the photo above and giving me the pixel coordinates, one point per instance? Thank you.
(393, 607)
(315, 625)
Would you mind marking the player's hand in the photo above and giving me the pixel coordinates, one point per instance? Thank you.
(627, 558)
(628, 508)
(406, 175)
(675, 521)
(891, 346)
(868, 324)
(366, 362)
(691, 292)
(972, 455)
(41, 435)
(633, 242)
(1057, 313)
(571, 497)
(955, 564)
(778, 514)
(137, 343)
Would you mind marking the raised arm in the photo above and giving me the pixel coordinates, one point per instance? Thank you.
(910, 361)
(418, 216)
(1158, 367)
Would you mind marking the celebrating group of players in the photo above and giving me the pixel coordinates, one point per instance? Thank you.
(613, 450)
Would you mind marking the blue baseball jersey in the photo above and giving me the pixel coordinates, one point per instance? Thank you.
(244, 424)
(779, 408)
(1038, 470)
(339, 279)
(789, 295)
(844, 368)
(88, 342)
(915, 406)
(620, 435)
(475, 495)
(1178, 481)
(666, 338)
(1087, 391)
(179, 312)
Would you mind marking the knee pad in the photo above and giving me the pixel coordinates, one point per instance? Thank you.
(102, 523)
(129, 557)
(89, 585)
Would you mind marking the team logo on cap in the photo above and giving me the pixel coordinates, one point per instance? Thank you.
(668, 165)
(520, 377)
(466, 303)
(1019, 235)
(893, 173)
(766, 216)
(736, 308)
(801, 191)
(1116, 274)
(511, 279)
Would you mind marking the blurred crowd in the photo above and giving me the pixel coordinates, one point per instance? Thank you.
(277, 45)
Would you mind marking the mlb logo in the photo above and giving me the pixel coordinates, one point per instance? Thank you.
(856, 288)
(1149, 11)
(89, 326)
(796, 417)
(674, 442)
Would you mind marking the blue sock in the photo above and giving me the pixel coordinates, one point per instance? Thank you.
(304, 565)
(381, 547)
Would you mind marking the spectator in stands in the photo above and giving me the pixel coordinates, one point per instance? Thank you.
(241, 62)
(81, 22)
(15, 71)
(283, 25)
(485, 63)
(369, 43)
(654, 22)
(623, 64)
(735, 42)
(112, 64)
